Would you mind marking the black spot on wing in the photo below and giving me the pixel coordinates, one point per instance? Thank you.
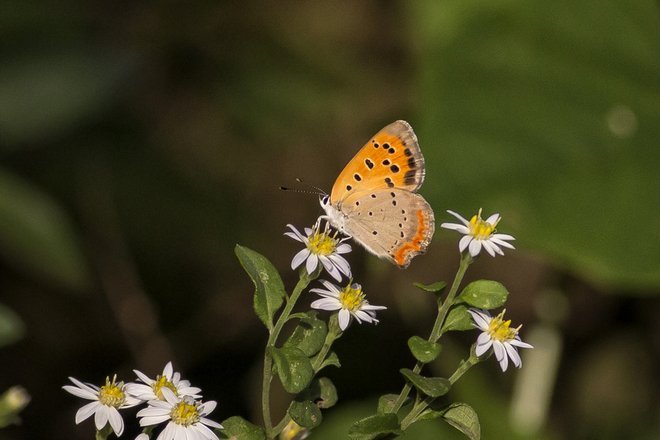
(386, 162)
(389, 182)
(369, 163)
(407, 152)
(394, 169)
(409, 177)
(357, 177)
(412, 163)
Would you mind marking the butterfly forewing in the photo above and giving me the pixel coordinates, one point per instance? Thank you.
(391, 159)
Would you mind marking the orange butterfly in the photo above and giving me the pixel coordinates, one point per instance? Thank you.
(374, 200)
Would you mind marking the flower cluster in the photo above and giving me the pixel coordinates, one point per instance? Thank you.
(169, 399)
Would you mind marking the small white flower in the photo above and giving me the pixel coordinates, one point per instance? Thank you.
(186, 416)
(107, 400)
(349, 301)
(150, 389)
(497, 334)
(293, 431)
(321, 246)
(479, 233)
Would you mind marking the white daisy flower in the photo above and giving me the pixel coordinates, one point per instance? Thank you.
(150, 389)
(480, 233)
(497, 334)
(186, 416)
(349, 301)
(321, 247)
(107, 400)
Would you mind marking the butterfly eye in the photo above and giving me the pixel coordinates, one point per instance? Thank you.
(325, 200)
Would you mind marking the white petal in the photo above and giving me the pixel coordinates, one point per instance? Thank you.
(503, 237)
(490, 247)
(521, 344)
(295, 234)
(500, 355)
(341, 264)
(500, 242)
(180, 433)
(206, 432)
(142, 436)
(207, 407)
(475, 247)
(513, 354)
(344, 319)
(211, 423)
(169, 395)
(87, 410)
(343, 248)
(326, 304)
(116, 421)
(464, 242)
(101, 417)
(493, 219)
(372, 307)
(481, 318)
(483, 344)
(168, 370)
(460, 217)
(299, 258)
(456, 227)
(312, 263)
(330, 268)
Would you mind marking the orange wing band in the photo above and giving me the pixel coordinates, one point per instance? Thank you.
(400, 256)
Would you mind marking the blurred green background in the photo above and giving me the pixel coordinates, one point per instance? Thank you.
(140, 141)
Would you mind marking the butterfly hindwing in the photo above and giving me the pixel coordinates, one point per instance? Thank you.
(391, 159)
(391, 223)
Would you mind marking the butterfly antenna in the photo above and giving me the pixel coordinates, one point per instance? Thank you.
(318, 190)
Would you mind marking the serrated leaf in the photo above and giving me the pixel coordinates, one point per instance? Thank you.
(434, 287)
(369, 428)
(237, 428)
(431, 386)
(459, 415)
(269, 289)
(309, 335)
(293, 367)
(457, 319)
(424, 351)
(485, 294)
(305, 413)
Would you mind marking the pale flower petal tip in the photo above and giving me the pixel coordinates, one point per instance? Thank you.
(497, 334)
(350, 301)
(321, 248)
(480, 234)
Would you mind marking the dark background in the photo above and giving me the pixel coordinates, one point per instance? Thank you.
(141, 141)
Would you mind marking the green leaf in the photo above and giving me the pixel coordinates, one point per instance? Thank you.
(331, 359)
(369, 428)
(386, 403)
(237, 428)
(423, 350)
(484, 294)
(269, 293)
(457, 319)
(11, 326)
(431, 386)
(309, 335)
(37, 235)
(459, 415)
(328, 393)
(293, 367)
(435, 287)
(305, 413)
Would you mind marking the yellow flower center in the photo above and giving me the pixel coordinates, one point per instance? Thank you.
(159, 384)
(185, 413)
(111, 394)
(322, 243)
(351, 299)
(481, 229)
(291, 431)
(499, 330)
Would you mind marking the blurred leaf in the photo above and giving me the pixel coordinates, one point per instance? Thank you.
(546, 112)
(435, 287)
(459, 415)
(431, 386)
(330, 359)
(457, 319)
(424, 351)
(484, 294)
(386, 403)
(293, 368)
(269, 293)
(11, 326)
(373, 426)
(46, 94)
(309, 335)
(37, 235)
(237, 428)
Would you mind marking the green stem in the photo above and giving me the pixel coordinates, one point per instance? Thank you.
(410, 418)
(272, 339)
(466, 260)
